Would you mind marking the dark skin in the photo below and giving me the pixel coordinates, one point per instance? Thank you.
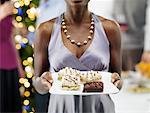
(78, 26)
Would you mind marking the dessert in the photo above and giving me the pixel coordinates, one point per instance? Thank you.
(93, 87)
(90, 76)
(67, 71)
(70, 82)
(71, 79)
(92, 82)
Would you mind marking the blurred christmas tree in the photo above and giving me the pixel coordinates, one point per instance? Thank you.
(25, 17)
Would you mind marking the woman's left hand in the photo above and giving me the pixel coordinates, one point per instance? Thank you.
(116, 80)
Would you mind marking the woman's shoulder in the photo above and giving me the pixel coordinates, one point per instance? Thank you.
(45, 28)
(109, 24)
(47, 25)
(43, 31)
(112, 29)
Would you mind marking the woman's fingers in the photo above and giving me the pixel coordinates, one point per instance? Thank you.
(116, 80)
(47, 76)
(117, 83)
(43, 83)
(115, 77)
(46, 84)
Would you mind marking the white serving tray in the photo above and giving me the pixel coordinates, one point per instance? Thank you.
(109, 87)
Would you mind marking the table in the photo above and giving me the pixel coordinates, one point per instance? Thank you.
(127, 102)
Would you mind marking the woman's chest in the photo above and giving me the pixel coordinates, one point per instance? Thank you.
(91, 59)
(77, 40)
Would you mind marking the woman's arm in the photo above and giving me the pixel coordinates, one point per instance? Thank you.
(114, 36)
(43, 79)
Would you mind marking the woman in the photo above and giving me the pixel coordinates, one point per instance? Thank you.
(81, 40)
(9, 62)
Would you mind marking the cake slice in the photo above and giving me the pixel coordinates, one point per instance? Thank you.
(93, 82)
(90, 76)
(70, 82)
(67, 71)
(93, 87)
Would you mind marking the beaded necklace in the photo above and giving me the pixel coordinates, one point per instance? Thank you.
(68, 35)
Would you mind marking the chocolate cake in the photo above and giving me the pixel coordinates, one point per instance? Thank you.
(93, 87)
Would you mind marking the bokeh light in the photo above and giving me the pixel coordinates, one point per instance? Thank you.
(26, 2)
(18, 46)
(30, 59)
(31, 28)
(26, 102)
(26, 93)
(28, 69)
(25, 40)
(18, 38)
(17, 5)
(27, 84)
(18, 18)
(25, 63)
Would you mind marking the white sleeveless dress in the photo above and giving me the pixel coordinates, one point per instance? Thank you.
(96, 57)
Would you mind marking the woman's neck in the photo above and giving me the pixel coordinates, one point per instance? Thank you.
(77, 15)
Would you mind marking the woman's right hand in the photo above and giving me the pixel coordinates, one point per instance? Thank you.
(43, 83)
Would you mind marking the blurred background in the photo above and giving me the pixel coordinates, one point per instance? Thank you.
(133, 17)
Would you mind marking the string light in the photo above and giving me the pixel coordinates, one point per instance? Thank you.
(21, 80)
(31, 28)
(25, 80)
(25, 63)
(24, 111)
(27, 84)
(29, 75)
(20, 25)
(25, 40)
(15, 11)
(21, 42)
(31, 16)
(18, 38)
(26, 93)
(30, 59)
(21, 3)
(17, 5)
(28, 69)
(22, 90)
(18, 18)
(26, 2)
(33, 10)
(33, 109)
(33, 47)
(26, 102)
(18, 46)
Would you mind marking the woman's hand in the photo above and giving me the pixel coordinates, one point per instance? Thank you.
(43, 84)
(116, 80)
